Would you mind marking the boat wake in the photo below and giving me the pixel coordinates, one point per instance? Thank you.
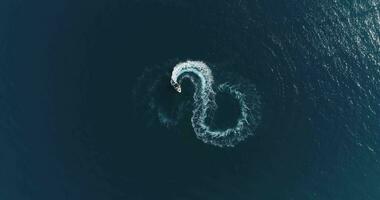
(204, 105)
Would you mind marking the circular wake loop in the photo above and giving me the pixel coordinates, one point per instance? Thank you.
(204, 104)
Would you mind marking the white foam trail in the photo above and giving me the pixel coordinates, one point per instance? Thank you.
(205, 105)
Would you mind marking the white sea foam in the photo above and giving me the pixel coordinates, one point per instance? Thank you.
(204, 104)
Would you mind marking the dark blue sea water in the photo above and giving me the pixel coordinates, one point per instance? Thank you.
(78, 121)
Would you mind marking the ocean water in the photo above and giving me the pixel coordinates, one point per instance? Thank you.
(87, 110)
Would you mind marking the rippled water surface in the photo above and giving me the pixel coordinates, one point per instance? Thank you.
(87, 110)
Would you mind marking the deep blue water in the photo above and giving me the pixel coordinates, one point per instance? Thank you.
(74, 124)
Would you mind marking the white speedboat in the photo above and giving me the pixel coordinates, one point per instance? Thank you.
(176, 86)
